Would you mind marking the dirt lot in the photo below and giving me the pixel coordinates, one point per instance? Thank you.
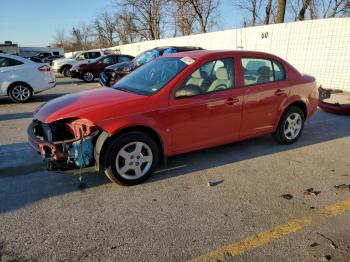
(176, 216)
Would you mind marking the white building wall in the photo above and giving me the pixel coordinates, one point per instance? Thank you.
(317, 47)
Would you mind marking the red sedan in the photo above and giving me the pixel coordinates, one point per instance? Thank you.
(172, 105)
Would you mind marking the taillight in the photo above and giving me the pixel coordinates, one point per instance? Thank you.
(44, 68)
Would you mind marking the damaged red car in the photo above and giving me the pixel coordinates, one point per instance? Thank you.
(175, 104)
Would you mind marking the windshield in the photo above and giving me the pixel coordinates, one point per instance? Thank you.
(151, 77)
(76, 55)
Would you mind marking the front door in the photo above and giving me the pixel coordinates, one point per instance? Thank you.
(211, 113)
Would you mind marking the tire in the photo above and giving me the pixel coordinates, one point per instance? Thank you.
(88, 77)
(20, 93)
(66, 72)
(133, 167)
(290, 126)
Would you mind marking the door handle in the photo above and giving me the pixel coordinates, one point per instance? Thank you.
(230, 101)
(280, 92)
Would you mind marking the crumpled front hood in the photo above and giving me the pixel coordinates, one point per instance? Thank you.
(95, 105)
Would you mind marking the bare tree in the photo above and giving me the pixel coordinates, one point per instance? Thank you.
(105, 29)
(147, 16)
(205, 11)
(281, 11)
(183, 17)
(252, 7)
(126, 28)
(267, 12)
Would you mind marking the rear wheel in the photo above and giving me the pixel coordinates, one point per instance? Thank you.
(20, 93)
(88, 77)
(291, 126)
(66, 72)
(131, 158)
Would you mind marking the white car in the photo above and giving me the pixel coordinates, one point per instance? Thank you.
(20, 78)
(63, 65)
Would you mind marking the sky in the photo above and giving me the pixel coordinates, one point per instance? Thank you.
(35, 22)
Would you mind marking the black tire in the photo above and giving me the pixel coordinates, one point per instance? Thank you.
(14, 93)
(280, 135)
(116, 145)
(66, 71)
(88, 77)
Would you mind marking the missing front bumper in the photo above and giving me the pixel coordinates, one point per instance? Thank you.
(70, 153)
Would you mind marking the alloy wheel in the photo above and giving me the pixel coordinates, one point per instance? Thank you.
(88, 76)
(21, 93)
(292, 126)
(134, 160)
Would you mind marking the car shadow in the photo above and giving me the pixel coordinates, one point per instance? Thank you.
(15, 116)
(19, 191)
(41, 97)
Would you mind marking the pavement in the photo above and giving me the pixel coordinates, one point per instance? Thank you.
(176, 216)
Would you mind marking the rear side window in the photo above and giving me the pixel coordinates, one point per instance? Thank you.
(260, 71)
(278, 71)
(5, 62)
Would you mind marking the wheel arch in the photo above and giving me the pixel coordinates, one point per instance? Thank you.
(297, 103)
(64, 66)
(105, 138)
(17, 83)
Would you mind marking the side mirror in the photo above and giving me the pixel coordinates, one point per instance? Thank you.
(188, 91)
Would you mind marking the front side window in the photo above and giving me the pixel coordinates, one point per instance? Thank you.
(260, 71)
(213, 76)
(93, 55)
(152, 77)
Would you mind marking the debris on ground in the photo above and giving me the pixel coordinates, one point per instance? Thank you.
(81, 185)
(332, 244)
(310, 191)
(342, 186)
(215, 182)
(287, 196)
(314, 244)
(327, 258)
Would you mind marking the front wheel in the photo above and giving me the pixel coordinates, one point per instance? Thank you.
(290, 126)
(131, 158)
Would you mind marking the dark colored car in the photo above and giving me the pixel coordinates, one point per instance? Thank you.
(113, 73)
(89, 71)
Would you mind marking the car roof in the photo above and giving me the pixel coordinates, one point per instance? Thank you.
(16, 58)
(203, 53)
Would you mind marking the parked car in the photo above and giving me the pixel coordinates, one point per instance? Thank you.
(172, 105)
(20, 78)
(63, 65)
(113, 73)
(89, 71)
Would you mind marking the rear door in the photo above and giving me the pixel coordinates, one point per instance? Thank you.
(266, 88)
(213, 115)
(11, 70)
